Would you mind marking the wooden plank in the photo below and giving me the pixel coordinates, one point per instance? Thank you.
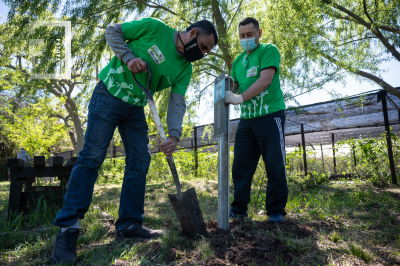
(41, 188)
(57, 161)
(17, 163)
(40, 172)
(30, 181)
(71, 161)
(29, 199)
(15, 196)
(39, 161)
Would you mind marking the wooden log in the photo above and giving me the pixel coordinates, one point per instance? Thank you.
(187, 209)
(16, 163)
(39, 161)
(40, 172)
(15, 196)
(56, 161)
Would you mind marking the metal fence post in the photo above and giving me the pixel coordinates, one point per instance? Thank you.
(354, 155)
(196, 157)
(303, 141)
(223, 164)
(322, 157)
(114, 152)
(388, 140)
(301, 166)
(334, 156)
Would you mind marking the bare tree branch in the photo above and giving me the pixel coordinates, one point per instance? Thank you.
(386, 86)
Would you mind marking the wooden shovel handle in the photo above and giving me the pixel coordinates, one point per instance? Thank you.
(160, 130)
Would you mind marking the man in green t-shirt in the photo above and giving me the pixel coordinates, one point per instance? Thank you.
(117, 101)
(255, 75)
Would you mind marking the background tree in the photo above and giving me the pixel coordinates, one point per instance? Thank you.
(32, 127)
(331, 39)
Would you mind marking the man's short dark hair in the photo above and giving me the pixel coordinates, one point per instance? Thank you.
(249, 20)
(204, 27)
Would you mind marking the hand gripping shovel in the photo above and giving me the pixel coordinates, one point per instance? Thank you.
(185, 204)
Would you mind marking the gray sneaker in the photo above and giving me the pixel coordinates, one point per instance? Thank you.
(139, 231)
(65, 247)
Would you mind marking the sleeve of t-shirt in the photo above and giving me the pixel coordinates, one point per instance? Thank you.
(136, 29)
(182, 84)
(233, 74)
(270, 58)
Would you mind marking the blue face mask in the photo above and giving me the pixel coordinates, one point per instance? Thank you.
(248, 44)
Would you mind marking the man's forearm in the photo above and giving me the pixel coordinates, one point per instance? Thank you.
(176, 112)
(116, 41)
(259, 86)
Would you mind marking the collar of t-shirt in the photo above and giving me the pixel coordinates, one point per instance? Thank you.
(176, 43)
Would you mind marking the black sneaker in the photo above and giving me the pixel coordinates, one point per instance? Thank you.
(139, 231)
(237, 216)
(65, 247)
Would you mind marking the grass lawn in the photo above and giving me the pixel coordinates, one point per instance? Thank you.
(340, 223)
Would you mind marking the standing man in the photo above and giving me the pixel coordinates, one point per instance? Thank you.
(117, 101)
(24, 156)
(255, 73)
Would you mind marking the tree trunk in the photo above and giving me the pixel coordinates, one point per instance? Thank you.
(79, 133)
(223, 45)
(78, 136)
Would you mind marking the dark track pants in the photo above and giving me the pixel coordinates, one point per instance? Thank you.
(254, 137)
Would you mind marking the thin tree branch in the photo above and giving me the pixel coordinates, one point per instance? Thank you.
(230, 23)
(370, 26)
(361, 21)
(366, 11)
(152, 5)
(215, 54)
(212, 66)
(386, 86)
(357, 40)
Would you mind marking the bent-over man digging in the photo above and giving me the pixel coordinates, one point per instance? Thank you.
(117, 101)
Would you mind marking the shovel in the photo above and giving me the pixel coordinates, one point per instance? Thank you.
(185, 204)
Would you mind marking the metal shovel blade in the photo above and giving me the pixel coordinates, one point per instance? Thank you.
(187, 209)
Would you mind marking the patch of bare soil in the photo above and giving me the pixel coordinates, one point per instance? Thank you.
(246, 242)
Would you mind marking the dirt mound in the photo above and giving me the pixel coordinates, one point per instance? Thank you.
(246, 242)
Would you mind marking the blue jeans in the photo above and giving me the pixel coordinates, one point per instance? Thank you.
(255, 137)
(106, 112)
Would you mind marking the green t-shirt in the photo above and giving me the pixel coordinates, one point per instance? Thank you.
(153, 41)
(246, 70)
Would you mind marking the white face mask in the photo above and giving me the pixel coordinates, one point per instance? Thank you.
(248, 44)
